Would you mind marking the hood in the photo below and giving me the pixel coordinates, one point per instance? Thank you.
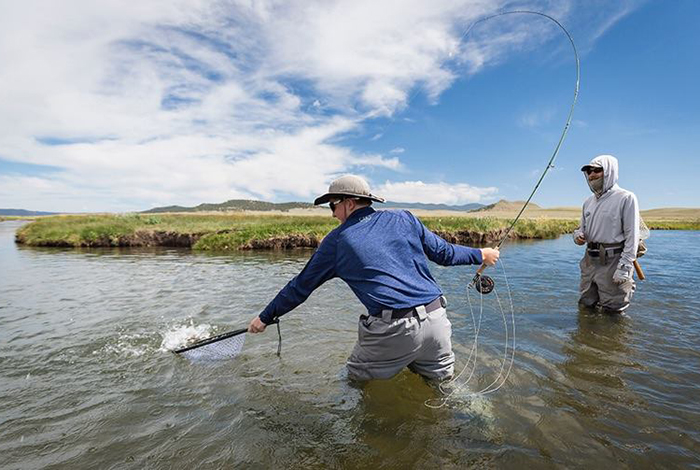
(609, 165)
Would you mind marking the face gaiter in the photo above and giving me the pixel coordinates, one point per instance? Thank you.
(596, 186)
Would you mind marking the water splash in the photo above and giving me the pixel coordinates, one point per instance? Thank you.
(134, 345)
(181, 335)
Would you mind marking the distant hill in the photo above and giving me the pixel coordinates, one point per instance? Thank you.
(429, 207)
(234, 205)
(507, 206)
(253, 205)
(22, 212)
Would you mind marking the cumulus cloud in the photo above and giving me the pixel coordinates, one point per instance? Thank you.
(436, 193)
(181, 102)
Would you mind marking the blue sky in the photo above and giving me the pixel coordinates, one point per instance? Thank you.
(122, 107)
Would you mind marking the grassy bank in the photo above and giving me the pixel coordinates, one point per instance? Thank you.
(673, 224)
(245, 231)
(207, 232)
(17, 217)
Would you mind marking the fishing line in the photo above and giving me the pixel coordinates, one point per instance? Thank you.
(512, 354)
(485, 284)
(472, 360)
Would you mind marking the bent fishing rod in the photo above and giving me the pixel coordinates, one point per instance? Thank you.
(485, 284)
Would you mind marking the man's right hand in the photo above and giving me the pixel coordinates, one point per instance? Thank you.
(256, 326)
(580, 240)
(490, 256)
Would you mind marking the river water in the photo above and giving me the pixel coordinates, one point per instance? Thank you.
(87, 381)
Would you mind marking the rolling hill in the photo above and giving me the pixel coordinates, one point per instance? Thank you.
(24, 213)
(507, 206)
(234, 205)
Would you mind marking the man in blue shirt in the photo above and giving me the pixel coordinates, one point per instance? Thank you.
(383, 257)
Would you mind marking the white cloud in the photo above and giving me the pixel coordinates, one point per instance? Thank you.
(180, 102)
(436, 193)
(535, 119)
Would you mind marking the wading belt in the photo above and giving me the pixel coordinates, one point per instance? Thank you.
(440, 302)
(604, 250)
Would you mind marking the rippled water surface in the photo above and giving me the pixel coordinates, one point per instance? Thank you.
(86, 379)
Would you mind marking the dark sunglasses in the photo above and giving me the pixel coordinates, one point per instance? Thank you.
(333, 205)
(593, 170)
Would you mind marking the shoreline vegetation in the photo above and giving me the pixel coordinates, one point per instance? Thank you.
(253, 231)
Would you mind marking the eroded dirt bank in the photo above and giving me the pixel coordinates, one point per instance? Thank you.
(188, 240)
(139, 238)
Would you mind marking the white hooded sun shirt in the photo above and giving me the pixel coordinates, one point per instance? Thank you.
(613, 216)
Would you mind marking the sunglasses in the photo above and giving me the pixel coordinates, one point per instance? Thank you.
(593, 170)
(334, 204)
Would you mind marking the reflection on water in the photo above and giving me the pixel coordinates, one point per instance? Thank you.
(599, 351)
(86, 379)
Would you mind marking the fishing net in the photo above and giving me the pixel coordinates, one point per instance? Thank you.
(223, 346)
(643, 235)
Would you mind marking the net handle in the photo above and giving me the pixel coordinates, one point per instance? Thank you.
(638, 269)
(213, 339)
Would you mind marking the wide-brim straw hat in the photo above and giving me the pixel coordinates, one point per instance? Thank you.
(348, 186)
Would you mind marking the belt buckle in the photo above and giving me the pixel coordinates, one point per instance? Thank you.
(399, 313)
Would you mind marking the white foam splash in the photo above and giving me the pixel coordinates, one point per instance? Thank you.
(128, 345)
(180, 335)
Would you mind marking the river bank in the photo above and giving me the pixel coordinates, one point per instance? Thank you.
(226, 232)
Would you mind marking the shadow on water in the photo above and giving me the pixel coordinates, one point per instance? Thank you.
(380, 424)
(597, 358)
(595, 392)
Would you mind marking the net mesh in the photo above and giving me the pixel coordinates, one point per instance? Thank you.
(643, 235)
(643, 230)
(223, 349)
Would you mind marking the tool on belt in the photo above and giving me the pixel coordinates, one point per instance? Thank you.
(603, 251)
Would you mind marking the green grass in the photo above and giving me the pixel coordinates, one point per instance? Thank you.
(233, 231)
(76, 230)
(17, 217)
(524, 228)
(673, 224)
(265, 228)
(216, 231)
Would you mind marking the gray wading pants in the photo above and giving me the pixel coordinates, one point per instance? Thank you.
(597, 287)
(421, 342)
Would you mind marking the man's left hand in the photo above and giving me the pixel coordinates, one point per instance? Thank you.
(622, 274)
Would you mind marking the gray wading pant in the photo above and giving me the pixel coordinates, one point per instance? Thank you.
(420, 342)
(597, 287)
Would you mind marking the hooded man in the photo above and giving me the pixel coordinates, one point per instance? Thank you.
(383, 257)
(610, 229)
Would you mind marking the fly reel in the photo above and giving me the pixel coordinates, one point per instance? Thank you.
(482, 283)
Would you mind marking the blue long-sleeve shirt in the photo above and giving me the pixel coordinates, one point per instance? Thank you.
(381, 255)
